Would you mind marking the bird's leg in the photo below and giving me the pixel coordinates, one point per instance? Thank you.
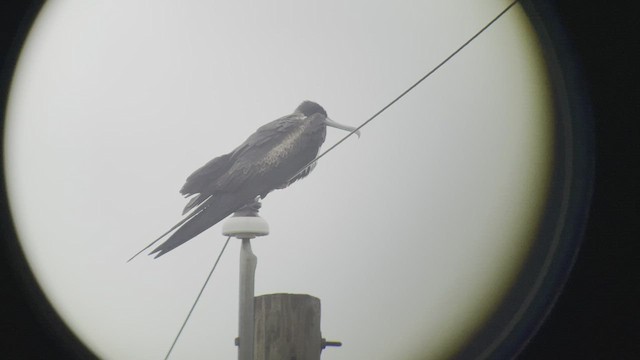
(251, 209)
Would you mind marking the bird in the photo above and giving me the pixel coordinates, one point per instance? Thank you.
(275, 156)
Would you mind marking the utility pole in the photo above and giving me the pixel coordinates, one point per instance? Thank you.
(246, 225)
(275, 326)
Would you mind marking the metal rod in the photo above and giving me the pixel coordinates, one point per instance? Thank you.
(248, 263)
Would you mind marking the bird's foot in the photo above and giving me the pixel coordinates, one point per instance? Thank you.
(251, 209)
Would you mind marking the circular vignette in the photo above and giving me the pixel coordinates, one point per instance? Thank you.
(31, 328)
(561, 228)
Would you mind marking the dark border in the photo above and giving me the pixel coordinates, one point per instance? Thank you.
(596, 315)
(561, 229)
(30, 328)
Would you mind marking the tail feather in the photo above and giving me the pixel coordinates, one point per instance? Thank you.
(193, 202)
(210, 215)
(180, 223)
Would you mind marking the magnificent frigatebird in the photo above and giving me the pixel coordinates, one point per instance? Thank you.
(272, 158)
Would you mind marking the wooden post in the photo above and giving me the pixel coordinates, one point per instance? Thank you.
(287, 327)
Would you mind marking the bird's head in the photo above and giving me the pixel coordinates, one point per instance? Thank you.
(309, 108)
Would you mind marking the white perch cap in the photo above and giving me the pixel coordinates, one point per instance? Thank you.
(245, 227)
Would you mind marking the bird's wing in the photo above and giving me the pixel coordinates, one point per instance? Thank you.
(248, 157)
(200, 179)
(213, 177)
(269, 133)
(265, 138)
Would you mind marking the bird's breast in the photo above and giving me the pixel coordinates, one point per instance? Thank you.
(298, 144)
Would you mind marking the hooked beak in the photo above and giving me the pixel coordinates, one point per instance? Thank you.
(334, 124)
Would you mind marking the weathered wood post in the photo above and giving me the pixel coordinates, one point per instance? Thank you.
(288, 327)
(246, 224)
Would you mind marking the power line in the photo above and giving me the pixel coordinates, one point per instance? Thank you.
(184, 323)
(409, 88)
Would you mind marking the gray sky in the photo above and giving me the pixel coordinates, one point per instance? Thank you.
(408, 235)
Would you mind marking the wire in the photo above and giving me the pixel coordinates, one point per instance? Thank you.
(408, 89)
(184, 323)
